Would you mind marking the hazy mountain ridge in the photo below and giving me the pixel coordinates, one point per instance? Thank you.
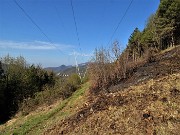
(63, 69)
(58, 69)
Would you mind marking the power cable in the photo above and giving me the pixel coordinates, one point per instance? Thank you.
(120, 21)
(37, 26)
(77, 33)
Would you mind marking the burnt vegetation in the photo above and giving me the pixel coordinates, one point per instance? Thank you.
(112, 72)
(132, 91)
(135, 90)
(113, 66)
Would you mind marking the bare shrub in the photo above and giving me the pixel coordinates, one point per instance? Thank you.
(109, 68)
(99, 68)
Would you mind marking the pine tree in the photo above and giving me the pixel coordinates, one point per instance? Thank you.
(168, 23)
(1, 71)
(134, 45)
(2, 96)
(149, 36)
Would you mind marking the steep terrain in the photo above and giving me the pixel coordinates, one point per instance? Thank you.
(150, 108)
(148, 102)
(44, 117)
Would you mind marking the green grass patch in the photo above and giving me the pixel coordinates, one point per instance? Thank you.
(41, 120)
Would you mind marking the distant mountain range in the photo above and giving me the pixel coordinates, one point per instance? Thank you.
(58, 69)
(67, 70)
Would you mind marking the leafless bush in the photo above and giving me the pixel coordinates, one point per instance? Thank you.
(99, 68)
(111, 67)
(106, 67)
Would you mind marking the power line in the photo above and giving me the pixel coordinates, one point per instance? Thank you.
(37, 26)
(77, 34)
(120, 21)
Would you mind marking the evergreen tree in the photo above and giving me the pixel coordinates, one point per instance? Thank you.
(149, 36)
(168, 23)
(134, 45)
(2, 96)
(20, 82)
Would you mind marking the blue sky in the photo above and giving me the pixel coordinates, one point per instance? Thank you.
(96, 20)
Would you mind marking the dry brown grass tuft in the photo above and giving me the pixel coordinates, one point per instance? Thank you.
(147, 102)
(151, 107)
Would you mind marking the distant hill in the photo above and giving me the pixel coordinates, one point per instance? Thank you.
(58, 69)
(67, 70)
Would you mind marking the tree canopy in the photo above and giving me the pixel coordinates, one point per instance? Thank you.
(161, 31)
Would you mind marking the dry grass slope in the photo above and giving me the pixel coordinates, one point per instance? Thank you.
(152, 107)
(147, 103)
(143, 106)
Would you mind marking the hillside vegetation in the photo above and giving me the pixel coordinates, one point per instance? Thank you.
(141, 106)
(130, 91)
(149, 106)
(25, 87)
(40, 120)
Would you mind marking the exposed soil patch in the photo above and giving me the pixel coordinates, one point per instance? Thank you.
(164, 64)
(145, 103)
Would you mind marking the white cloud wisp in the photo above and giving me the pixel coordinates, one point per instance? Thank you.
(81, 54)
(35, 45)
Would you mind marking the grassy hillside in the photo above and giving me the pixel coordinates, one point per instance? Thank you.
(44, 118)
(130, 91)
(145, 103)
(148, 102)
